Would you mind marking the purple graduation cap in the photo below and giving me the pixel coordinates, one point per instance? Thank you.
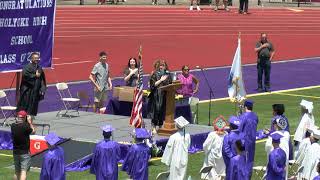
(248, 103)
(276, 137)
(52, 138)
(234, 121)
(142, 133)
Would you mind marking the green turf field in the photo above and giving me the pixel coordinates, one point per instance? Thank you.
(221, 107)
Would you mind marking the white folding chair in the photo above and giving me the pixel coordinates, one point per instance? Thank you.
(194, 102)
(163, 175)
(70, 103)
(6, 107)
(205, 170)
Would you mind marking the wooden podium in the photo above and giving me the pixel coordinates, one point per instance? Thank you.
(169, 125)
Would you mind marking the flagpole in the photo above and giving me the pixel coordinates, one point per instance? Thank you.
(140, 60)
(237, 85)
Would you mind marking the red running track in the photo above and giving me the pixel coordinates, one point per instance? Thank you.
(180, 36)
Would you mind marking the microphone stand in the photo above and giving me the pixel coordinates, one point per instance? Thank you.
(211, 95)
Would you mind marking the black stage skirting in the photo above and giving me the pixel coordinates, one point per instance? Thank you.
(123, 108)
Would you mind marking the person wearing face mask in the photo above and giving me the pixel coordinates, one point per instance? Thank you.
(265, 53)
(131, 73)
(157, 98)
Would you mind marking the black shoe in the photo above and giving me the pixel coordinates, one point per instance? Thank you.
(267, 90)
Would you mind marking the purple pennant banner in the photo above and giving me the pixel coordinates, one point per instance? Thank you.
(26, 26)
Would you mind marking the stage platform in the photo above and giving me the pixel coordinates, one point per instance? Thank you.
(84, 132)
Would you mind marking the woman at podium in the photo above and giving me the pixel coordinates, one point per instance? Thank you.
(157, 98)
(131, 73)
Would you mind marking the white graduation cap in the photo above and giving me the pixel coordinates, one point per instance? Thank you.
(181, 122)
(307, 104)
(316, 134)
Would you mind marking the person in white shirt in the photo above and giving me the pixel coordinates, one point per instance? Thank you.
(212, 148)
(309, 163)
(303, 147)
(307, 121)
(175, 154)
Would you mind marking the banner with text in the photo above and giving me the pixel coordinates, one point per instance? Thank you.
(26, 26)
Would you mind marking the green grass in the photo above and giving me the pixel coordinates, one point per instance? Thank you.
(263, 107)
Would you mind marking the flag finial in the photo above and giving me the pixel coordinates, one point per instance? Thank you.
(140, 52)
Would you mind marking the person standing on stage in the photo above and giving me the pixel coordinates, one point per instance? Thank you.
(20, 132)
(157, 98)
(265, 52)
(187, 80)
(131, 73)
(33, 86)
(100, 77)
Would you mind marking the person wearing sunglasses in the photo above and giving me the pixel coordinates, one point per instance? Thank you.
(187, 80)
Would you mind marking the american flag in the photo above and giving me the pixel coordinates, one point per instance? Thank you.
(136, 113)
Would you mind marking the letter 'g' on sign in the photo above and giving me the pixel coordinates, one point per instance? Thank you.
(37, 145)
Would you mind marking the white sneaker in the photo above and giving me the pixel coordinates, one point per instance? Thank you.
(198, 8)
(191, 8)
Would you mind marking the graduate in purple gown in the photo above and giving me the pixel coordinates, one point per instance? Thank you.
(228, 146)
(105, 157)
(276, 168)
(318, 170)
(248, 129)
(136, 161)
(237, 170)
(53, 167)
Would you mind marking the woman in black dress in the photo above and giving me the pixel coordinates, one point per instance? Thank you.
(157, 98)
(131, 73)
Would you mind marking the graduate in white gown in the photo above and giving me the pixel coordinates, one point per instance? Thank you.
(280, 125)
(307, 121)
(212, 148)
(175, 154)
(311, 159)
(303, 147)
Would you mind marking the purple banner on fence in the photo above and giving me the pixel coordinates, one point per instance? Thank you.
(25, 27)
